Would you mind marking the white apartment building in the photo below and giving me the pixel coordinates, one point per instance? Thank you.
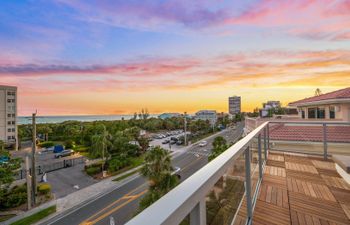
(8, 115)
(234, 105)
(209, 115)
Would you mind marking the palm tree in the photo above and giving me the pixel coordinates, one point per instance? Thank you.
(157, 164)
(100, 143)
(2, 146)
(318, 92)
(157, 169)
(46, 130)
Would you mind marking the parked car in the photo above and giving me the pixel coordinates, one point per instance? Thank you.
(172, 142)
(179, 142)
(203, 143)
(4, 159)
(64, 153)
(166, 141)
(58, 148)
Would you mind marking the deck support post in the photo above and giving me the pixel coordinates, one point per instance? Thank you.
(260, 157)
(325, 154)
(248, 186)
(198, 214)
(268, 136)
(265, 143)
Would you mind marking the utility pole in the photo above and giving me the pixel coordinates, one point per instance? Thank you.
(28, 179)
(185, 124)
(33, 159)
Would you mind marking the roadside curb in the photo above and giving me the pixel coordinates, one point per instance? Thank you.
(29, 213)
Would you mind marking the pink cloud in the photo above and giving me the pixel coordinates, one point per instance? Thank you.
(314, 19)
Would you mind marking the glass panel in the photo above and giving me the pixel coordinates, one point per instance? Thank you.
(297, 137)
(254, 165)
(225, 202)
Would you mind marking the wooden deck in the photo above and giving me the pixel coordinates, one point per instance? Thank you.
(300, 190)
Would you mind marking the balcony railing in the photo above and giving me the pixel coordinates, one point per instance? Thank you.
(187, 202)
(226, 189)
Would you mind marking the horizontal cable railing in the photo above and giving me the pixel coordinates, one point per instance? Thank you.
(233, 179)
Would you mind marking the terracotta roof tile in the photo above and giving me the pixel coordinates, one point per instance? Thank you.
(339, 94)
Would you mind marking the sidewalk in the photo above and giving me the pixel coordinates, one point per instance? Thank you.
(78, 198)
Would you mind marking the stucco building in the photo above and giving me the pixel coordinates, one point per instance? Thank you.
(8, 115)
(330, 106)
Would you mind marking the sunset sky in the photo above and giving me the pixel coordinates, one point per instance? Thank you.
(116, 57)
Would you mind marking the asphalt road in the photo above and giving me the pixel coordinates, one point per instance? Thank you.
(122, 203)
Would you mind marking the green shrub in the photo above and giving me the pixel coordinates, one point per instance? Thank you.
(47, 144)
(15, 199)
(44, 188)
(118, 163)
(69, 144)
(93, 170)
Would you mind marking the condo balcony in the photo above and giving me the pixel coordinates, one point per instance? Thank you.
(280, 173)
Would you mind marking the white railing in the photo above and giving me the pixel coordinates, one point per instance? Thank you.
(189, 197)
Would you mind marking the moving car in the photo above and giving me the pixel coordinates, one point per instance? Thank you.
(64, 153)
(176, 172)
(203, 143)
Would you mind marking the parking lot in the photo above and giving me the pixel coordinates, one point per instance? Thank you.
(168, 146)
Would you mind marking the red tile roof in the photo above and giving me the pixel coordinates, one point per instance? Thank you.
(309, 133)
(339, 94)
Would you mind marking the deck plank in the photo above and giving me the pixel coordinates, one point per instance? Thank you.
(306, 191)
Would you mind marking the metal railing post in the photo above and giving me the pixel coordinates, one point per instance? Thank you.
(268, 136)
(325, 154)
(248, 184)
(198, 214)
(265, 143)
(260, 157)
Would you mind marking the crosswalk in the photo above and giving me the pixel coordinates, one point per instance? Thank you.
(200, 152)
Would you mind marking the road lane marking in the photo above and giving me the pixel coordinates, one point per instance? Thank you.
(192, 162)
(126, 196)
(116, 208)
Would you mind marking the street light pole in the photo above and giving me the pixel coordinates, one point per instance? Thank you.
(33, 159)
(185, 124)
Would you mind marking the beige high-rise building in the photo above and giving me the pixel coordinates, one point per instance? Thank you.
(234, 105)
(8, 115)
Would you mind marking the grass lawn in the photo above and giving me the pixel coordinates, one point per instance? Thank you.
(36, 217)
(126, 175)
(6, 217)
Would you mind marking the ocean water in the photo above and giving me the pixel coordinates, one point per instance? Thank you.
(60, 119)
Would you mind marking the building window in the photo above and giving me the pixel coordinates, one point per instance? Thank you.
(311, 113)
(9, 115)
(8, 122)
(303, 114)
(9, 130)
(321, 113)
(331, 112)
(9, 137)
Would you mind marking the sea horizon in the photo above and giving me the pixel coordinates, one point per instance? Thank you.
(22, 120)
